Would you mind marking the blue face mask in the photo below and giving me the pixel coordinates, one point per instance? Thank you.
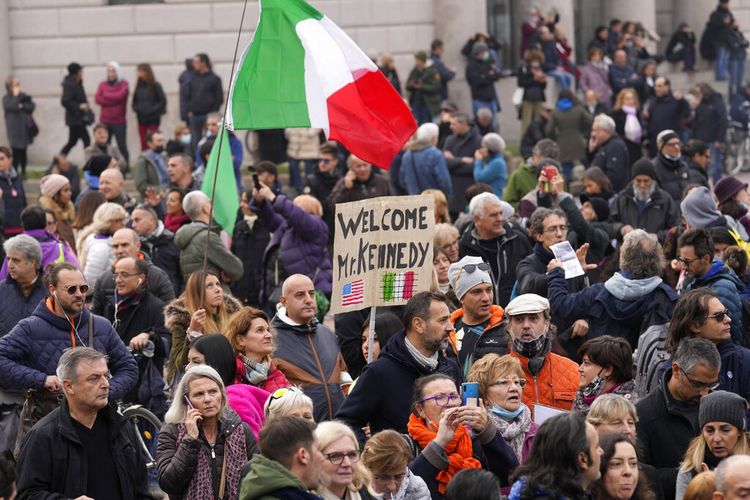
(486, 56)
(505, 414)
(186, 138)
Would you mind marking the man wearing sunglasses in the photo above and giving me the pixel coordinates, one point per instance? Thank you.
(321, 181)
(696, 256)
(30, 352)
(668, 415)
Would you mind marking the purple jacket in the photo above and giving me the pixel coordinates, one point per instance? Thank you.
(54, 250)
(302, 238)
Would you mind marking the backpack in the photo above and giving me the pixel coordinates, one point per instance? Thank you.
(650, 353)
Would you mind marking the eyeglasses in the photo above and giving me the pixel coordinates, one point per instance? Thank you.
(505, 383)
(686, 262)
(719, 316)
(555, 229)
(325, 161)
(442, 399)
(72, 289)
(385, 478)
(338, 458)
(125, 275)
(698, 385)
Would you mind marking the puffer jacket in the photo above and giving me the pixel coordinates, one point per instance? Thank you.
(555, 384)
(113, 98)
(149, 103)
(53, 250)
(301, 238)
(725, 283)
(14, 306)
(177, 462)
(660, 214)
(309, 357)
(302, 143)
(177, 320)
(191, 242)
(247, 401)
(471, 348)
(423, 167)
(30, 352)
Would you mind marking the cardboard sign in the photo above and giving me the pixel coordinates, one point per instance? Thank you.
(382, 251)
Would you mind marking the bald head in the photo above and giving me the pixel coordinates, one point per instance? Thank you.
(298, 297)
(733, 478)
(111, 183)
(125, 243)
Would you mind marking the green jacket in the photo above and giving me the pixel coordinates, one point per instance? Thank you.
(521, 181)
(191, 242)
(146, 175)
(267, 476)
(429, 90)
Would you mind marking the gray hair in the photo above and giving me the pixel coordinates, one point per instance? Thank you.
(605, 122)
(193, 202)
(282, 405)
(67, 365)
(428, 132)
(484, 113)
(546, 148)
(694, 351)
(178, 409)
(536, 221)
(28, 246)
(723, 468)
(478, 204)
(641, 254)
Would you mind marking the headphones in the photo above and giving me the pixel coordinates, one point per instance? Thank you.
(140, 280)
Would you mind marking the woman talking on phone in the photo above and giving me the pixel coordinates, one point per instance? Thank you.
(450, 437)
(203, 445)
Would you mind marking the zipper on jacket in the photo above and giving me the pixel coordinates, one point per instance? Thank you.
(536, 390)
(322, 375)
(213, 452)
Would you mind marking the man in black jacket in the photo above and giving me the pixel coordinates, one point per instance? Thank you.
(382, 396)
(459, 151)
(609, 151)
(84, 448)
(664, 111)
(321, 182)
(496, 242)
(698, 157)
(669, 166)
(668, 416)
(76, 105)
(710, 124)
(204, 95)
(158, 243)
(482, 74)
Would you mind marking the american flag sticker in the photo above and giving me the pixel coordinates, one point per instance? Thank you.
(353, 293)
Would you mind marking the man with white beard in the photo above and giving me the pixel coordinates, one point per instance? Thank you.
(643, 204)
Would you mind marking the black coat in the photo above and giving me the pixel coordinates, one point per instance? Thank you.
(145, 317)
(660, 213)
(249, 244)
(697, 174)
(204, 93)
(533, 91)
(14, 198)
(149, 104)
(157, 283)
(482, 76)
(382, 395)
(52, 461)
(665, 113)
(710, 119)
(462, 174)
(612, 157)
(718, 27)
(73, 96)
(164, 254)
(672, 175)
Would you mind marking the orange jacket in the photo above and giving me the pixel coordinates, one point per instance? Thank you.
(555, 385)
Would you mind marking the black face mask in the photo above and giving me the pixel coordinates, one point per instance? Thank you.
(159, 150)
(529, 349)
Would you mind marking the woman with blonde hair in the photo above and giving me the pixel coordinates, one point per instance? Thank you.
(349, 478)
(252, 342)
(387, 456)
(94, 243)
(613, 414)
(289, 401)
(721, 417)
(446, 238)
(626, 113)
(202, 309)
(203, 445)
(441, 206)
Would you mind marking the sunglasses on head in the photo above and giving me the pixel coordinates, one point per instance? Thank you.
(72, 289)
(470, 268)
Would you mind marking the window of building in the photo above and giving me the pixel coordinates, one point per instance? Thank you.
(504, 18)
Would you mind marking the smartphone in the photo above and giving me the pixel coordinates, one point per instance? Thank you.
(256, 182)
(187, 401)
(549, 173)
(470, 394)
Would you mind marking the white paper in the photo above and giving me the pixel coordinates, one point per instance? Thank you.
(544, 412)
(565, 254)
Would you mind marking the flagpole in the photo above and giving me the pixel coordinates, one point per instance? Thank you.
(218, 156)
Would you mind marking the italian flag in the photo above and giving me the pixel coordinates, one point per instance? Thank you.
(301, 70)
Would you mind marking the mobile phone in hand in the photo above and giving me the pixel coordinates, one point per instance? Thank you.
(256, 182)
(187, 401)
(470, 393)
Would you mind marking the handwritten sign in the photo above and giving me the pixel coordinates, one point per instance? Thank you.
(382, 251)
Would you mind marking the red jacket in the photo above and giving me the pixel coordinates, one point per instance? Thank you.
(113, 98)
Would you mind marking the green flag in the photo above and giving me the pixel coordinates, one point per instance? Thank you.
(225, 200)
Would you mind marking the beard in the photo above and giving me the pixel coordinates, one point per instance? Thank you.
(644, 194)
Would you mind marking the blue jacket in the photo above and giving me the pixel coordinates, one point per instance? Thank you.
(727, 285)
(30, 352)
(383, 395)
(425, 168)
(620, 78)
(621, 307)
(738, 112)
(14, 306)
(494, 173)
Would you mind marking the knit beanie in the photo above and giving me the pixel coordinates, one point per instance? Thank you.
(493, 142)
(699, 209)
(664, 137)
(74, 68)
(51, 184)
(643, 167)
(462, 280)
(727, 187)
(723, 406)
(600, 206)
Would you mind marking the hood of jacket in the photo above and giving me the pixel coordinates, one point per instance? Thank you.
(43, 312)
(267, 476)
(631, 289)
(699, 209)
(719, 270)
(496, 318)
(564, 104)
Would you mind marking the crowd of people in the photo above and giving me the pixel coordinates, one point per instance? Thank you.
(628, 379)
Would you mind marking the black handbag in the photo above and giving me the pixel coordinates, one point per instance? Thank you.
(32, 128)
(88, 117)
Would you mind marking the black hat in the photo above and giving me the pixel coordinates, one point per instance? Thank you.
(643, 167)
(74, 68)
(600, 206)
(97, 164)
(723, 406)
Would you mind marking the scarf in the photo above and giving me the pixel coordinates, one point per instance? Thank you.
(235, 450)
(543, 254)
(514, 430)
(254, 373)
(459, 450)
(633, 128)
(174, 222)
(122, 303)
(420, 358)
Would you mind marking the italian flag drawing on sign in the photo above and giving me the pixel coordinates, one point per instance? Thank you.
(301, 70)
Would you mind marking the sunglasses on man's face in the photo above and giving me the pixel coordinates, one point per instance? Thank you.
(72, 289)
(720, 315)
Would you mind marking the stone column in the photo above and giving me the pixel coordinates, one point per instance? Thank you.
(6, 64)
